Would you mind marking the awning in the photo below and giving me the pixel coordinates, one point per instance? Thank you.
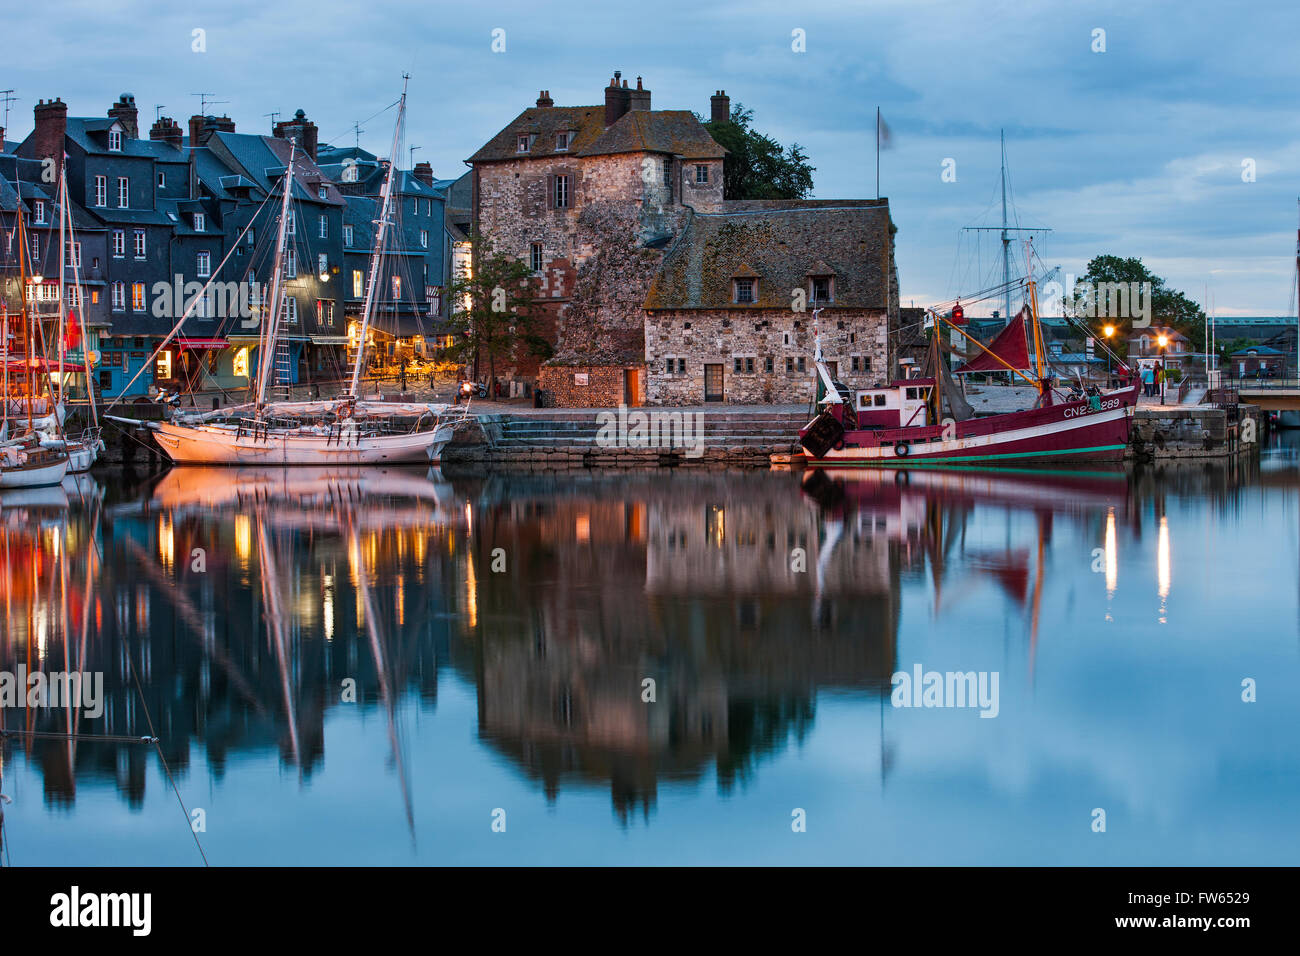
(244, 340)
(329, 340)
(188, 343)
(21, 361)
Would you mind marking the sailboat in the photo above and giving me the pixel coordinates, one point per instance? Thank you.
(901, 423)
(348, 430)
(24, 462)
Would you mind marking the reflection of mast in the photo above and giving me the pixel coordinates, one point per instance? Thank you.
(381, 669)
(275, 629)
(1044, 530)
(834, 531)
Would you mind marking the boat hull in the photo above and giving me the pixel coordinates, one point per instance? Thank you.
(1070, 432)
(34, 475)
(226, 445)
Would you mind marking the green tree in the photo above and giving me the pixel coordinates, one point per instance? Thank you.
(757, 166)
(1168, 306)
(492, 308)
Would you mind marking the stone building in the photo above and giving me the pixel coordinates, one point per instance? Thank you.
(729, 318)
(592, 197)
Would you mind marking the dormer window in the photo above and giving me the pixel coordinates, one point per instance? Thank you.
(198, 222)
(745, 289)
(320, 192)
(115, 140)
(821, 289)
(521, 144)
(562, 141)
(38, 211)
(350, 172)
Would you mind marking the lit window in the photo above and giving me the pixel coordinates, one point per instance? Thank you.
(137, 297)
(397, 287)
(240, 365)
(357, 283)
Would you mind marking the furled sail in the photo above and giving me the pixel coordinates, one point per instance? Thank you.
(1011, 345)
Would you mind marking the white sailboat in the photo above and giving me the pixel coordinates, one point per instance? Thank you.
(349, 430)
(24, 463)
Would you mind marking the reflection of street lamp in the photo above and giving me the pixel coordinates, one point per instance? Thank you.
(1162, 340)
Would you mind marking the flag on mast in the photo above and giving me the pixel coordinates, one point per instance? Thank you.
(884, 139)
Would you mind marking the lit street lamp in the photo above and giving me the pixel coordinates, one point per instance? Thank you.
(1162, 340)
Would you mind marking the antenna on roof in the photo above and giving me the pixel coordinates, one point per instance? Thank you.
(273, 114)
(204, 102)
(411, 150)
(357, 131)
(6, 98)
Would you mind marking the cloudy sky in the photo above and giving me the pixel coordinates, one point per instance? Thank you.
(1134, 151)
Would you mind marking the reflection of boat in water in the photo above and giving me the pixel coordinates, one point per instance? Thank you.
(310, 497)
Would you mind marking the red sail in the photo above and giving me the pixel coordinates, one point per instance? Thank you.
(1011, 345)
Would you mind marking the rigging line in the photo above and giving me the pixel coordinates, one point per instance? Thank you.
(135, 675)
(366, 120)
(77, 735)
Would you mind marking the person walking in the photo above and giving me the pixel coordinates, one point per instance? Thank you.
(1148, 381)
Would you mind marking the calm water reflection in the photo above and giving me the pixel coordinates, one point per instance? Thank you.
(499, 630)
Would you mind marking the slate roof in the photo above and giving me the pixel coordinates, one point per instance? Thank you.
(662, 131)
(783, 246)
(370, 173)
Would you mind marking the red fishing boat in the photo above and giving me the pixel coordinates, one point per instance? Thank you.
(902, 423)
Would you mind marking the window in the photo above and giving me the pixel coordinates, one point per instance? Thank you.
(562, 141)
(424, 238)
(119, 296)
(139, 244)
(745, 365)
(163, 364)
(321, 194)
(701, 175)
(522, 143)
(861, 363)
(123, 192)
(119, 244)
(668, 171)
(322, 264)
(744, 291)
(801, 364)
(250, 235)
(290, 263)
(101, 191)
(562, 190)
(768, 364)
(73, 296)
(669, 365)
(36, 246)
(325, 312)
(535, 256)
(137, 296)
(821, 289)
(289, 310)
(350, 174)
(115, 140)
(324, 231)
(162, 179)
(204, 266)
(239, 367)
(38, 210)
(347, 235)
(198, 222)
(357, 282)
(72, 257)
(289, 226)
(397, 287)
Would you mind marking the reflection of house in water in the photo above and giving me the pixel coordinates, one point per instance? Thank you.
(686, 582)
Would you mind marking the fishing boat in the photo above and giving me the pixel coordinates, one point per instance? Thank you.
(901, 424)
(350, 430)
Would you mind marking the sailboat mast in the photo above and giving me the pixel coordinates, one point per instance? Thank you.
(63, 262)
(377, 252)
(1006, 240)
(23, 262)
(266, 362)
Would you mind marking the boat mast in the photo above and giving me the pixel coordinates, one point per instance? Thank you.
(377, 252)
(1006, 240)
(63, 261)
(270, 331)
(22, 291)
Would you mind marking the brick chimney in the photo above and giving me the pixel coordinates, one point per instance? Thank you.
(616, 100)
(544, 99)
(301, 130)
(51, 126)
(196, 130)
(125, 111)
(639, 98)
(424, 173)
(720, 107)
(166, 130)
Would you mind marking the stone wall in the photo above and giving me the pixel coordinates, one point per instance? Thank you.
(721, 336)
(603, 388)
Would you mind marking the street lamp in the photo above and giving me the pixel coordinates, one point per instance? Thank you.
(1109, 332)
(1162, 340)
